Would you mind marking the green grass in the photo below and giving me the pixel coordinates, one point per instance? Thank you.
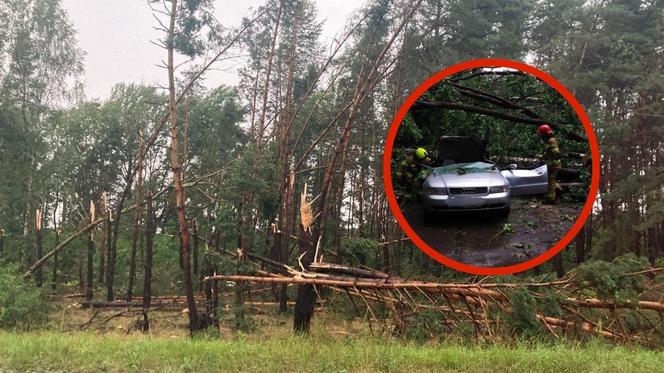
(90, 352)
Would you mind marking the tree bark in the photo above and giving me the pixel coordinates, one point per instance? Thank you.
(305, 300)
(306, 294)
(109, 254)
(54, 275)
(214, 290)
(177, 176)
(284, 235)
(112, 248)
(580, 245)
(196, 245)
(40, 248)
(558, 264)
(90, 274)
(91, 252)
(102, 255)
(147, 276)
(137, 218)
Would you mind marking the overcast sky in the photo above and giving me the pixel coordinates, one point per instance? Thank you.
(116, 34)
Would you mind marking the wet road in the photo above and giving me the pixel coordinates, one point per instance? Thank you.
(489, 240)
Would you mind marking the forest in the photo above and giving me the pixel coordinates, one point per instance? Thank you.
(261, 206)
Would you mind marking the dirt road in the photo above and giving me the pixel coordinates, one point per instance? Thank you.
(491, 241)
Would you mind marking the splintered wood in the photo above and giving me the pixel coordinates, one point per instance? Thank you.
(305, 210)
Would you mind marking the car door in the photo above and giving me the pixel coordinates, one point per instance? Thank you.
(527, 182)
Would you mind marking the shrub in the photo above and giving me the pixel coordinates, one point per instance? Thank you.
(22, 305)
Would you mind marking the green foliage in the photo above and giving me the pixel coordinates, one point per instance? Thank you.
(22, 306)
(522, 319)
(409, 132)
(360, 250)
(506, 138)
(241, 322)
(548, 302)
(425, 325)
(608, 281)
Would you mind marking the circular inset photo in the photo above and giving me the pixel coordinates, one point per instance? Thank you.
(491, 167)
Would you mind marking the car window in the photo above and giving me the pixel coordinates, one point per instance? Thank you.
(464, 168)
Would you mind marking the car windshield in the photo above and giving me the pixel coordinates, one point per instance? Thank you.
(463, 168)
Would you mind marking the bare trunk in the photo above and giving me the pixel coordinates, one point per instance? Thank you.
(208, 271)
(306, 294)
(54, 275)
(26, 217)
(214, 290)
(91, 252)
(39, 278)
(580, 245)
(113, 235)
(558, 265)
(196, 246)
(137, 219)
(147, 277)
(102, 255)
(177, 178)
(109, 255)
(90, 273)
(284, 235)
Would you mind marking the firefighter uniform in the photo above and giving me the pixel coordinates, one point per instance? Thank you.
(552, 160)
(410, 175)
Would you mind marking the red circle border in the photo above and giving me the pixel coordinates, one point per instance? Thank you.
(594, 182)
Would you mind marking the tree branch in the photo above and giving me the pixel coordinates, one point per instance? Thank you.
(497, 114)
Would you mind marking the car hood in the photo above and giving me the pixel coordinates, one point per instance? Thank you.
(475, 179)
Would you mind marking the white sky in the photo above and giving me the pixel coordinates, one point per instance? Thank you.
(116, 34)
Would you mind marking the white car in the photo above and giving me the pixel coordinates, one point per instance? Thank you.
(479, 185)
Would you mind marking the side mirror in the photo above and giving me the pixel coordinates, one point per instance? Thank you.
(511, 166)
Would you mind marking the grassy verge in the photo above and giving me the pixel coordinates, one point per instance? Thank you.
(91, 352)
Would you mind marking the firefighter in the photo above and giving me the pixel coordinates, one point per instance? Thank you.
(552, 159)
(410, 174)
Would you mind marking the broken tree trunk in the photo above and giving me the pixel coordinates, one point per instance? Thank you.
(362, 89)
(306, 294)
(346, 270)
(104, 239)
(38, 264)
(38, 235)
(177, 176)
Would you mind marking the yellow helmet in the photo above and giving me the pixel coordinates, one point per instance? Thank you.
(421, 153)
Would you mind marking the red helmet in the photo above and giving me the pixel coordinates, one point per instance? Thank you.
(544, 129)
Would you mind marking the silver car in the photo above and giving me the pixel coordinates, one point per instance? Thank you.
(480, 186)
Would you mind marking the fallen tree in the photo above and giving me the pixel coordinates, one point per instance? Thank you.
(553, 305)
